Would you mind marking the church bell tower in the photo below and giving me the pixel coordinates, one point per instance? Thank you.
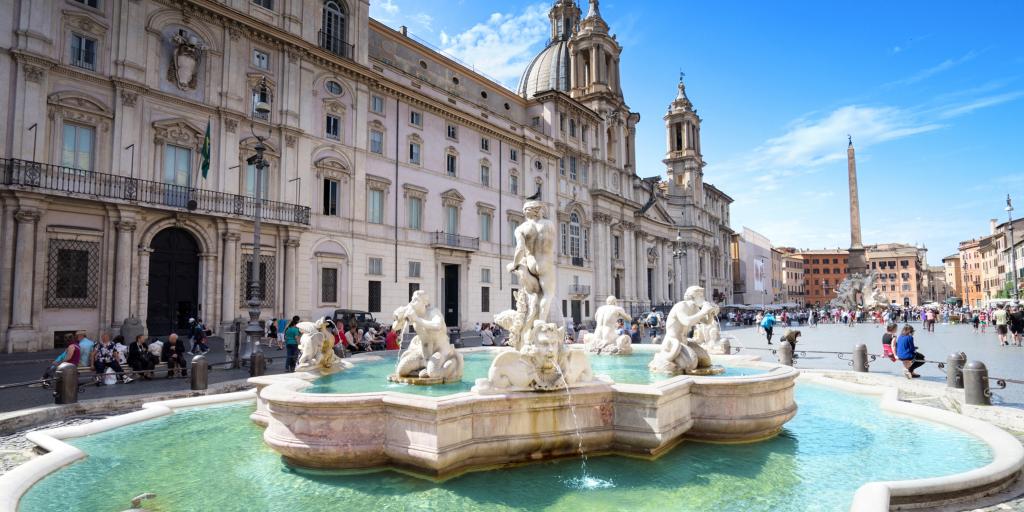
(683, 158)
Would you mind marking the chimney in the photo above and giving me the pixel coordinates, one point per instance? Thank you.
(992, 226)
(404, 30)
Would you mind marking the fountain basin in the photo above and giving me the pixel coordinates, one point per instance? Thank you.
(444, 436)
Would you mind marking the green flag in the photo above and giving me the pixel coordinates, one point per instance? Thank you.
(206, 151)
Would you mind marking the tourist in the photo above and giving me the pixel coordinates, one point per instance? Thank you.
(104, 357)
(757, 321)
(391, 338)
(282, 325)
(271, 333)
(889, 342)
(140, 359)
(72, 354)
(975, 320)
(791, 336)
(174, 355)
(291, 344)
(768, 323)
(620, 328)
(85, 345)
(487, 337)
(634, 333)
(1017, 324)
(1001, 320)
(907, 352)
(199, 345)
(983, 317)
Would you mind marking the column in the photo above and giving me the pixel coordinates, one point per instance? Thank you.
(640, 267)
(628, 289)
(229, 290)
(291, 263)
(143, 298)
(207, 290)
(24, 260)
(122, 271)
(593, 64)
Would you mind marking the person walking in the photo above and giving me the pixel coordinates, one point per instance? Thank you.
(983, 316)
(1017, 324)
(768, 323)
(291, 344)
(907, 352)
(272, 333)
(282, 325)
(1001, 320)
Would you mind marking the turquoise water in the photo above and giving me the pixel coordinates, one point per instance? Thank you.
(370, 376)
(213, 459)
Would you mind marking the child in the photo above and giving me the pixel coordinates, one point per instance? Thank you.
(889, 342)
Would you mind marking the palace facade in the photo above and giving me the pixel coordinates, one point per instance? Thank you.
(391, 168)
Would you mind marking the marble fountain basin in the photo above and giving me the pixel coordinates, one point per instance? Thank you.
(442, 436)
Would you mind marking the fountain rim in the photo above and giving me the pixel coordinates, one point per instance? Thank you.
(1007, 463)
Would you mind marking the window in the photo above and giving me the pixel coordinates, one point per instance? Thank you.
(574, 236)
(414, 153)
(826, 271)
(485, 227)
(72, 279)
(451, 219)
(513, 154)
(376, 104)
(414, 269)
(377, 142)
(485, 144)
(535, 121)
(77, 146)
(328, 285)
(586, 173)
(416, 118)
(330, 197)
(376, 207)
(333, 127)
(561, 166)
(485, 275)
(615, 247)
(250, 182)
(373, 297)
(267, 279)
(451, 164)
(453, 132)
(513, 184)
(583, 133)
(414, 211)
(572, 168)
(413, 288)
(90, 3)
(260, 59)
(375, 266)
(513, 225)
(572, 127)
(485, 175)
(260, 97)
(266, 4)
(333, 87)
(564, 232)
(485, 299)
(586, 243)
(83, 52)
(177, 165)
(561, 121)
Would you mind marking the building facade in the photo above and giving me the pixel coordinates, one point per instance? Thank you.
(392, 168)
(823, 271)
(792, 277)
(902, 270)
(752, 268)
(970, 264)
(936, 287)
(954, 276)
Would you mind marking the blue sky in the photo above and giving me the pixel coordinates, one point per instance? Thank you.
(931, 91)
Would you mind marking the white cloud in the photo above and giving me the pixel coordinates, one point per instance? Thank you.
(423, 20)
(502, 46)
(385, 10)
(936, 69)
(988, 101)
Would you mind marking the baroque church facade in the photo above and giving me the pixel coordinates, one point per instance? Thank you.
(391, 168)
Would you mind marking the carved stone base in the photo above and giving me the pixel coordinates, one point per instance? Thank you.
(711, 370)
(421, 381)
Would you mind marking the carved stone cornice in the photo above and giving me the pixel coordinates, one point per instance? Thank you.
(24, 216)
(232, 236)
(125, 225)
(291, 243)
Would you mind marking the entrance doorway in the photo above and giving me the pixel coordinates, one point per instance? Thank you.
(451, 295)
(173, 282)
(576, 310)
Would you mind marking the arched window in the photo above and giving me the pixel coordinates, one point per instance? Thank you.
(574, 235)
(332, 32)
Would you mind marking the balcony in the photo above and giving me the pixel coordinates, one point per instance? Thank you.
(582, 290)
(453, 241)
(70, 182)
(334, 44)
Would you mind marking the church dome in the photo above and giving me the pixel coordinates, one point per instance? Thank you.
(548, 71)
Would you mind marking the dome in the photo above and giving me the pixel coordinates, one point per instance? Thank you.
(548, 71)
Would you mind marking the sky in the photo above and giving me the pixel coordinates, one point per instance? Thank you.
(932, 93)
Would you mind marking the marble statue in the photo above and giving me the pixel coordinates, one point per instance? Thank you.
(604, 339)
(678, 353)
(430, 355)
(183, 69)
(539, 359)
(858, 291)
(316, 345)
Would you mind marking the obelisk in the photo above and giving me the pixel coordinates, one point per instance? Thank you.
(857, 263)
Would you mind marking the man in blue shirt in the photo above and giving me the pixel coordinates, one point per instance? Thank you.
(85, 344)
(767, 324)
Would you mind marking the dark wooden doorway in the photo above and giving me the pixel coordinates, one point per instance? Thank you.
(451, 295)
(173, 282)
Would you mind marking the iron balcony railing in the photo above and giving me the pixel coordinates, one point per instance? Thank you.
(579, 289)
(46, 177)
(442, 239)
(335, 45)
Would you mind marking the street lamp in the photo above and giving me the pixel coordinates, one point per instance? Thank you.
(257, 364)
(677, 254)
(1013, 259)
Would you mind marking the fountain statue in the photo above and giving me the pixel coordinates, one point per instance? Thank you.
(539, 360)
(604, 339)
(316, 345)
(858, 291)
(430, 358)
(678, 353)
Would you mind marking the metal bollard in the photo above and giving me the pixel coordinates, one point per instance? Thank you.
(976, 390)
(955, 370)
(860, 358)
(200, 373)
(785, 353)
(257, 364)
(66, 390)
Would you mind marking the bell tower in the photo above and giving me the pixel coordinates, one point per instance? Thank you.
(595, 56)
(683, 158)
(565, 19)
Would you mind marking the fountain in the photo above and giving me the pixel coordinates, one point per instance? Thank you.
(680, 354)
(605, 340)
(430, 358)
(858, 291)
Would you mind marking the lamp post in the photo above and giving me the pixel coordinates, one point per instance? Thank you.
(257, 361)
(677, 255)
(1013, 259)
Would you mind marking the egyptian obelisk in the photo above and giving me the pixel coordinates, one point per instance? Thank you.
(857, 263)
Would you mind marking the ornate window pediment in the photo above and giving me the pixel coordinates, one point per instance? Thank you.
(377, 183)
(332, 168)
(82, 23)
(415, 138)
(376, 125)
(515, 216)
(334, 106)
(178, 132)
(415, 191)
(452, 197)
(482, 207)
(78, 107)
